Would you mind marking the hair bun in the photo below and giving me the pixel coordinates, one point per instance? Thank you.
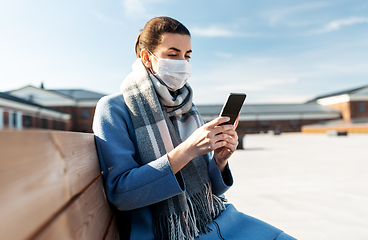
(136, 46)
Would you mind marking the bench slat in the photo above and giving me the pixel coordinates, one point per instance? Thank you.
(113, 232)
(87, 218)
(40, 171)
(80, 157)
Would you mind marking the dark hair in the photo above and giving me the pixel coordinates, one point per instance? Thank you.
(151, 35)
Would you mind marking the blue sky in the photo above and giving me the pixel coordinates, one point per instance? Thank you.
(275, 51)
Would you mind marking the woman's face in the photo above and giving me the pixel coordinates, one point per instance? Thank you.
(173, 46)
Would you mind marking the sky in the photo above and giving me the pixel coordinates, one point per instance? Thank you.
(285, 51)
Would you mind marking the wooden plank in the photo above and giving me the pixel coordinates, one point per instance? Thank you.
(79, 153)
(32, 182)
(113, 232)
(87, 218)
(40, 171)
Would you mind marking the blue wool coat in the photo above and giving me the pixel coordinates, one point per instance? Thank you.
(132, 186)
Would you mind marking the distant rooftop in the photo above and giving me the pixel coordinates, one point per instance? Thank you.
(24, 101)
(354, 91)
(78, 94)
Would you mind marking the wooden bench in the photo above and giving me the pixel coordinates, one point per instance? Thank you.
(51, 187)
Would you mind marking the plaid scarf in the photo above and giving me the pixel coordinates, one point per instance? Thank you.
(161, 122)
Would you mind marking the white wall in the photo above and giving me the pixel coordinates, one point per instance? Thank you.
(43, 97)
(19, 121)
(10, 122)
(1, 118)
(34, 109)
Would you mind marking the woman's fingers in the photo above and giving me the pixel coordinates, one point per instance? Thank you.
(214, 128)
(228, 139)
(211, 136)
(217, 121)
(231, 136)
(224, 132)
(232, 145)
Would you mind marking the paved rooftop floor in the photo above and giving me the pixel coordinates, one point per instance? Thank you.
(312, 186)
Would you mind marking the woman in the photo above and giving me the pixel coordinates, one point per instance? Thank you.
(164, 169)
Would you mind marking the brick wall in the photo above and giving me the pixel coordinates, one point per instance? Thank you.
(31, 120)
(6, 119)
(85, 118)
(359, 109)
(82, 118)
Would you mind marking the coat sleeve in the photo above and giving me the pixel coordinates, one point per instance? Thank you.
(220, 182)
(128, 183)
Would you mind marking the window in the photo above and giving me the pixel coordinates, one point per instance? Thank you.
(54, 124)
(15, 119)
(265, 125)
(294, 124)
(62, 125)
(27, 121)
(362, 107)
(85, 113)
(44, 123)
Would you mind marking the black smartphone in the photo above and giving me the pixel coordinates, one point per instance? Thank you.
(233, 106)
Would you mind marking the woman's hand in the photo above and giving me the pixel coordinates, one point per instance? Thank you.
(205, 139)
(222, 154)
(209, 137)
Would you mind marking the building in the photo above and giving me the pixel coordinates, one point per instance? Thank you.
(18, 113)
(353, 105)
(274, 118)
(345, 107)
(341, 111)
(79, 103)
(256, 118)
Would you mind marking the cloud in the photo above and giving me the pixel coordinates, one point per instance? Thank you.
(139, 8)
(105, 19)
(213, 31)
(338, 24)
(282, 78)
(247, 74)
(220, 31)
(260, 84)
(275, 16)
(134, 7)
(224, 54)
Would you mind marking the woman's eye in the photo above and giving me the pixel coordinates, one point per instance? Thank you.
(187, 56)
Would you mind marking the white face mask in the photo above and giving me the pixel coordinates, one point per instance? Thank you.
(173, 73)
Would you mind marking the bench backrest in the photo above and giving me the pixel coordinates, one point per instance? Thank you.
(51, 187)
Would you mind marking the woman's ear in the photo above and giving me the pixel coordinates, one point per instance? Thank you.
(146, 58)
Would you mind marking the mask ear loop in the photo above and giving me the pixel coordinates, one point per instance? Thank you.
(153, 74)
(152, 54)
(144, 61)
(150, 70)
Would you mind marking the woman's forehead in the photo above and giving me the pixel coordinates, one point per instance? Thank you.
(175, 41)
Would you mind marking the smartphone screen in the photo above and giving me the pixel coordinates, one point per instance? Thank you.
(233, 106)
